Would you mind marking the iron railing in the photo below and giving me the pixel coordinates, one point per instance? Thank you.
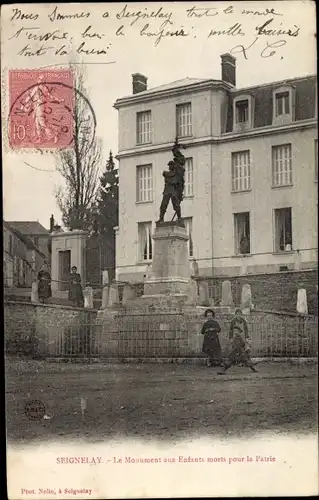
(174, 335)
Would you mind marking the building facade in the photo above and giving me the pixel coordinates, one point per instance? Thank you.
(22, 260)
(250, 202)
(35, 232)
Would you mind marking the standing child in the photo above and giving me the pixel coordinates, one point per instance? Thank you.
(211, 344)
(238, 334)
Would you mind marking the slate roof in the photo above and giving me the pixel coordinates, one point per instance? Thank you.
(29, 227)
(305, 100)
(28, 243)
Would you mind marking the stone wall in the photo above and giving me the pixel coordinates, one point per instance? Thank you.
(179, 335)
(41, 329)
(276, 291)
(62, 332)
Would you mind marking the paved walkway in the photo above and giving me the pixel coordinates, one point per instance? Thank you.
(158, 400)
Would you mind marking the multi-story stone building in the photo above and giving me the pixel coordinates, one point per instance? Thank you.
(250, 201)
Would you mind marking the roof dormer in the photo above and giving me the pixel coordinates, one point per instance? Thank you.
(243, 112)
(283, 105)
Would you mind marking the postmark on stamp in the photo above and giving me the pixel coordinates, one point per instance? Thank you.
(34, 410)
(41, 109)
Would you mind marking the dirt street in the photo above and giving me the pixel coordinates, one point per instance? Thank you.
(157, 400)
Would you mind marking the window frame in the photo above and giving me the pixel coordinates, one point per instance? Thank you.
(236, 239)
(186, 195)
(188, 223)
(235, 189)
(278, 173)
(138, 133)
(240, 126)
(148, 226)
(178, 107)
(276, 239)
(285, 117)
(137, 184)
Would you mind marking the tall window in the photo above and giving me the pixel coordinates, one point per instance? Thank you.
(184, 119)
(189, 228)
(282, 103)
(241, 171)
(144, 183)
(242, 233)
(145, 240)
(144, 127)
(189, 177)
(242, 111)
(281, 165)
(283, 230)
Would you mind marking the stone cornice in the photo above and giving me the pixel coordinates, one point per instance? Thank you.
(160, 94)
(227, 137)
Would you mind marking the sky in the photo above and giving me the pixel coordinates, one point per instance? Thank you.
(30, 179)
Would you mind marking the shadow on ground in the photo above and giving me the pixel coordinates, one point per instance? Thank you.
(158, 401)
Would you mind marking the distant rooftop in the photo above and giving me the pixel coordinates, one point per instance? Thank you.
(28, 227)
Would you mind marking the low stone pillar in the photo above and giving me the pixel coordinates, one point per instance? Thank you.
(105, 278)
(302, 305)
(203, 293)
(243, 268)
(88, 297)
(227, 297)
(246, 299)
(114, 299)
(192, 296)
(194, 268)
(105, 297)
(34, 293)
(297, 257)
(128, 294)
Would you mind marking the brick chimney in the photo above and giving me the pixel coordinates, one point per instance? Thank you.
(139, 83)
(51, 223)
(228, 69)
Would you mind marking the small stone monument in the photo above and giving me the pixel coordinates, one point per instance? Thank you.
(114, 300)
(203, 293)
(88, 297)
(227, 297)
(246, 299)
(302, 305)
(34, 293)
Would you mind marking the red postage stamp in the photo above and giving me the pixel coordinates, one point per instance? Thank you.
(41, 109)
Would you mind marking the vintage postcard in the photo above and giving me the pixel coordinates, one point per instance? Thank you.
(160, 165)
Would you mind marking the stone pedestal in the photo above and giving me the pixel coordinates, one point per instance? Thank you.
(170, 274)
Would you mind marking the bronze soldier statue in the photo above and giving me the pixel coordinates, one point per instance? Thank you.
(174, 183)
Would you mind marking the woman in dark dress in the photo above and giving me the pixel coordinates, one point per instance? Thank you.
(44, 284)
(75, 288)
(211, 344)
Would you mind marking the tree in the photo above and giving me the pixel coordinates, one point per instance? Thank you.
(79, 166)
(108, 198)
(107, 215)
